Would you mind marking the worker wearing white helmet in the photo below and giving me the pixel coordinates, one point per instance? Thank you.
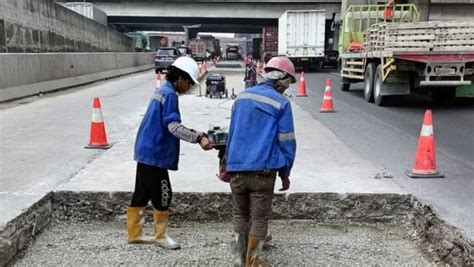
(157, 151)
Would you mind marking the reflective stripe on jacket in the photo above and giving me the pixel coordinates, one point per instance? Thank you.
(154, 144)
(261, 134)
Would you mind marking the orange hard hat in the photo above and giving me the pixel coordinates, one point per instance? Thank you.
(282, 64)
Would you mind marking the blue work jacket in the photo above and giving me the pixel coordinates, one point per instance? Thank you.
(261, 135)
(155, 145)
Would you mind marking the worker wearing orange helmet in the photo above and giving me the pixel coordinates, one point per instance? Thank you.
(261, 144)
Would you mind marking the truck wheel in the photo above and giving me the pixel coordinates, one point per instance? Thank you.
(369, 81)
(345, 85)
(443, 95)
(379, 84)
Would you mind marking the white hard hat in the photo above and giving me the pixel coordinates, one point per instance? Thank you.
(189, 66)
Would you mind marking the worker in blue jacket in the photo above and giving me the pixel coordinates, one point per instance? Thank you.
(261, 144)
(157, 151)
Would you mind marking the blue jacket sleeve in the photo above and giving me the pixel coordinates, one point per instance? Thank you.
(286, 140)
(171, 109)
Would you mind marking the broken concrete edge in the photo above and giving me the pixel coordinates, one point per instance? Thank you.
(18, 232)
(435, 237)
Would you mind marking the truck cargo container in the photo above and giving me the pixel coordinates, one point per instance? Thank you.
(212, 46)
(394, 54)
(269, 43)
(88, 10)
(157, 41)
(198, 49)
(205, 48)
(301, 37)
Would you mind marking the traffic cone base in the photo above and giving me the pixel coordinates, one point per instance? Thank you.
(425, 160)
(412, 174)
(98, 146)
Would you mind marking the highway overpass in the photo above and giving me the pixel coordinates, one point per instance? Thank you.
(244, 16)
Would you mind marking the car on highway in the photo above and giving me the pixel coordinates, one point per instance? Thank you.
(232, 52)
(164, 57)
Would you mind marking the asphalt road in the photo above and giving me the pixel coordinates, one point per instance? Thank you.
(388, 136)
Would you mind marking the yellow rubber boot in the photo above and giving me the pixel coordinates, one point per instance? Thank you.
(134, 226)
(160, 219)
(254, 249)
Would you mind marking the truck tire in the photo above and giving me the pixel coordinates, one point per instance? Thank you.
(345, 85)
(369, 82)
(378, 87)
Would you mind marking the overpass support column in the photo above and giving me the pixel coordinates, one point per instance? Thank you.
(190, 32)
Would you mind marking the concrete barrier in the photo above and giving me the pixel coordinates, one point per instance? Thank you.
(23, 75)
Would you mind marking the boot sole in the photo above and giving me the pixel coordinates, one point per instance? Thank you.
(170, 248)
(136, 242)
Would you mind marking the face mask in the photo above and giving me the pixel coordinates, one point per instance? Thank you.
(285, 83)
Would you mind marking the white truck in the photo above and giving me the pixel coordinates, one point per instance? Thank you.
(301, 36)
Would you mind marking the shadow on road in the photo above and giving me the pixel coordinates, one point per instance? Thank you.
(415, 100)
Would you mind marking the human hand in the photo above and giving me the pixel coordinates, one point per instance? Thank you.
(285, 184)
(205, 143)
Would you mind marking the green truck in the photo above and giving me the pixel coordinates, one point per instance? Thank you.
(140, 40)
(394, 54)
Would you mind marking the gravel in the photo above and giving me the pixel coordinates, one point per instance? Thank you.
(295, 242)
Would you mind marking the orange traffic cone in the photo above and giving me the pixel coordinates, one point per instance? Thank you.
(158, 79)
(301, 86)
(425, 161)
(326, 105)
(98, 138)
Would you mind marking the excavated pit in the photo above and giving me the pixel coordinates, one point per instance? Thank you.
(89, 228)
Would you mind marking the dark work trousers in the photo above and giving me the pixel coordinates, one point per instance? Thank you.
(152, 183)
(252, 194)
